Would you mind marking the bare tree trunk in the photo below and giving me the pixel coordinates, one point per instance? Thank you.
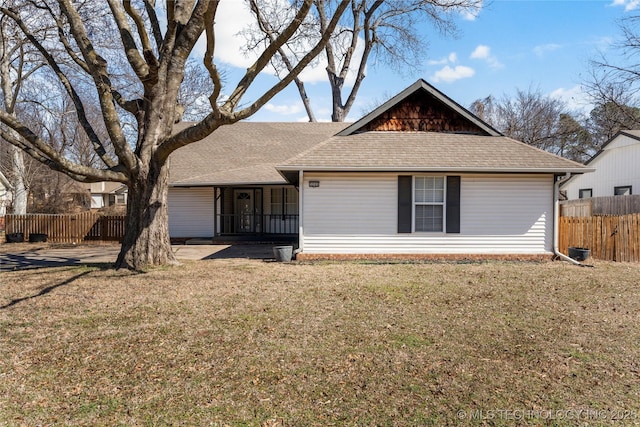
(305, 99)
(146, 241)
(19, 187)
(338, 111)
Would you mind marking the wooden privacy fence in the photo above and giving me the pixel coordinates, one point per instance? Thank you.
(73, 228)
(609, 238)
(609, 205)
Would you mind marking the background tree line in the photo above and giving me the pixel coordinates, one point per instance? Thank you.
(612, 87)
(547, 123)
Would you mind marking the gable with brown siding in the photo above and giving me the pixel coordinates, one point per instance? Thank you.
(422, 112)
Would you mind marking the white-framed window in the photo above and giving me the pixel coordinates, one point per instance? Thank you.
(429, 203)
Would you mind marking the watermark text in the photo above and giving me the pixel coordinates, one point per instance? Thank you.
(553, 414)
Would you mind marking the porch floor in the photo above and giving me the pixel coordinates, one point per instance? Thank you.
(273, 239)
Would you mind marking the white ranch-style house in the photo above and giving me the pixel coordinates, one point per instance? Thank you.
(418, 176)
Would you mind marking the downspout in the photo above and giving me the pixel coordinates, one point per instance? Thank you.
(300, 247)
(556, 220)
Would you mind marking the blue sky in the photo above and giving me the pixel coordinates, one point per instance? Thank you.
(510, 45)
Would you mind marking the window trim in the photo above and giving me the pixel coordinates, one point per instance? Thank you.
(414, 204)
(580, 191)
(622, 187)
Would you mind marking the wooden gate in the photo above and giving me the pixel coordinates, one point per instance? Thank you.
(610, 238)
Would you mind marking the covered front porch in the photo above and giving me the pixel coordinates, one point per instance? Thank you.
(256, 211)
(234, 213)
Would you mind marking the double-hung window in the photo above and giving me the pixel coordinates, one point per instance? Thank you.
(429, 203)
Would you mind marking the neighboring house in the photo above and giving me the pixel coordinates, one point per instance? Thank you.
(419, 175)
(5, 194)
(104, 194)
(617, 169)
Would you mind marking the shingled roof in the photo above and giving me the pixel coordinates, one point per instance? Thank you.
(423, 130)
(427, 152)
(418, 130)
(245, 153)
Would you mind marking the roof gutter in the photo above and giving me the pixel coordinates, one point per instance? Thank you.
(467, 169)
(556, 221)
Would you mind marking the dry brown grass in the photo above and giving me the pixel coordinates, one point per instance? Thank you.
(231, 342)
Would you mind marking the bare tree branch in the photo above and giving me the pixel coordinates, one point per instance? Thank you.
(98, 145)
(149, 6)
(264, 59)
(33, 145)
(265, 27)
(139, 65)
(98, 69)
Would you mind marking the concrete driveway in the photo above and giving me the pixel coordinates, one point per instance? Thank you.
(26, 258)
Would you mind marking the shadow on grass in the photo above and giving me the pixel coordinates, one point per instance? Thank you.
(257, 251)
(34, 260)
(45, 290)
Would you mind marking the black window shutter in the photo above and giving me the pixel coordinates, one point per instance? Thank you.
(453, 204)
(405, 217)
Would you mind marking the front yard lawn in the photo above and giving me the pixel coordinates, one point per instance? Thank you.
(238, 342)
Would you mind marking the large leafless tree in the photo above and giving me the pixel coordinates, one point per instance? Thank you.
(83, 58)
(17, 64)
(538, 120)
(386, 32)
(613, 83)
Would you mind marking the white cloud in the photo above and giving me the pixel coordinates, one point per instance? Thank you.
(452, 57)
(483, 52)
(438, 61)
(449, 75)
(542, 49)
(628, 4)
(283, 109)
(575, 98)
(231, 18)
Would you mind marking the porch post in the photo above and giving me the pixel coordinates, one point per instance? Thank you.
(215, 211)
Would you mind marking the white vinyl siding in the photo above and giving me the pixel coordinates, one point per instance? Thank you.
(191, 212)
(357, 214)
(359, 204)
(616, 166)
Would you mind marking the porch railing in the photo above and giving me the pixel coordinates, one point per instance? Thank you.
(257, 224)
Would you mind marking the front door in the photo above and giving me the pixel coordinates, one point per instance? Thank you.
(244, 211)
